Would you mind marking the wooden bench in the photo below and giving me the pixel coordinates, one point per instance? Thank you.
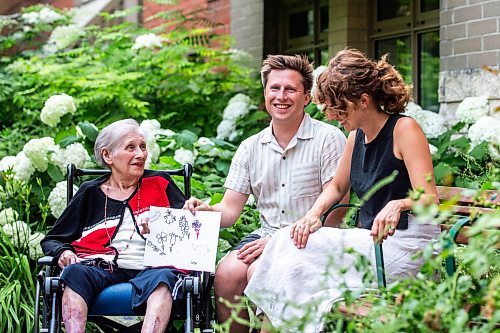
(465, 205)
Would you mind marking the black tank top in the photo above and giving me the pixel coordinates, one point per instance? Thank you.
(372, 162)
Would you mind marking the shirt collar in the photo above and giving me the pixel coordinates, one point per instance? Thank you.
(304, 132)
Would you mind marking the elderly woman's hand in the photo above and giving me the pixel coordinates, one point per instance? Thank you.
(194, 204)
(67, 258)
(301, 229)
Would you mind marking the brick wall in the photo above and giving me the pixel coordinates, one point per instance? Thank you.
(247, 26)
(217, 11)
(470, 34)
(470, 39)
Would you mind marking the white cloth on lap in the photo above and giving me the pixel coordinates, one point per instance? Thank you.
(296, 287)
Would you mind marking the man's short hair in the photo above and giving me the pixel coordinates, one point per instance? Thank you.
(297, 62)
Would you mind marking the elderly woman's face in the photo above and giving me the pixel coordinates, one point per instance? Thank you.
(130, 156)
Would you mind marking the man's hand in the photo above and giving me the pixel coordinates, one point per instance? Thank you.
(301, 230)
(144, 223)
(194, 204)
(251, 251)
(67, 258)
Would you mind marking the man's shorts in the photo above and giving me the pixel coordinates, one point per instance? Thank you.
(248, 239)
(89, 281)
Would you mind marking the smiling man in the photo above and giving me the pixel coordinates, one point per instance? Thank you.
(285, 168)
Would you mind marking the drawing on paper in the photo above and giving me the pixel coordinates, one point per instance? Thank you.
(170, 243)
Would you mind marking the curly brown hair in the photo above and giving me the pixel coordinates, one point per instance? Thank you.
(350, 73)
(297, 62)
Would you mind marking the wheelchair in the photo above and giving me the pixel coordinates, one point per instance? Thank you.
(196, 307)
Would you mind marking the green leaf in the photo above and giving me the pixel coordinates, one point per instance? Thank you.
(55, 173)
(69, 140)
(442, 170)
(186, 138)
(480, 151)
(89, 130)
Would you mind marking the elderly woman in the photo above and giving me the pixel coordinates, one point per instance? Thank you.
(99, 237)
(295, 283)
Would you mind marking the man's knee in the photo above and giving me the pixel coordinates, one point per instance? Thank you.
(231, 275)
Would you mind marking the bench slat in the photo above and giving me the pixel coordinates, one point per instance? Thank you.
(467, 197)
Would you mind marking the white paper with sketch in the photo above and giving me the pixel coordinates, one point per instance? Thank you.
(177, 238)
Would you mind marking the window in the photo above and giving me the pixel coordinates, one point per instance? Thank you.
(305, 28)
(409, 31)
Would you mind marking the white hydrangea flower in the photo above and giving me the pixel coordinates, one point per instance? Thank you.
(7, 162)
(166, 132)
(35, 248)
(63, 36)
(494, 150)
(55, 107)
(433, 149)
(240, 98)
(23, 167)
(203, 141)
(486, 129)
(74, 153)
(433, 124)
(316, 72)
(8, 215)
(153, 154)
(150, 127)
(37, 150)
(225, 129)
(18, 232)
(238, 106)
(472, 108)
(184, 156)
(235, 110)
(57, 198)
(147, 41)
(46, 15)
(412, 109)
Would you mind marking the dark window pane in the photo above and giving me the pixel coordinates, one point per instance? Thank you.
(323, 20)
(427, 5)
(389, 9)
(429, 70)
(300, 24)
(399, 50)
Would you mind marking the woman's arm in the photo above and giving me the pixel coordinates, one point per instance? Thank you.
(412, 147)
(68, 226)
(333, 193)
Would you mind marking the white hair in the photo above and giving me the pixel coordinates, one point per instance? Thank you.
(112, 135)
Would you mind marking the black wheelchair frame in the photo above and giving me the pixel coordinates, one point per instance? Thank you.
(198, 296)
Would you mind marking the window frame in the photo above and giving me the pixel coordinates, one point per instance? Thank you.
(413, 25)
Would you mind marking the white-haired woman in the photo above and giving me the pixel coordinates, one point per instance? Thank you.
(99, 237)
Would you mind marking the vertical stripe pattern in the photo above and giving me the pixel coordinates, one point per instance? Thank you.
(286, 182)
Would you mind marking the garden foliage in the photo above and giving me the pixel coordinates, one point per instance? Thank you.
(194, 97)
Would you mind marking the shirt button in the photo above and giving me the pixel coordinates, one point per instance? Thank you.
(284, 157)
(282, 212)
(282, 185)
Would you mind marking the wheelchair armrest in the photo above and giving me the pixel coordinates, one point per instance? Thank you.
(47, 261)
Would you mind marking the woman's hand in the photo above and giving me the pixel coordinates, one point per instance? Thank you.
(67, 258)
(301, 229)
(194, 204)
(386, 221)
